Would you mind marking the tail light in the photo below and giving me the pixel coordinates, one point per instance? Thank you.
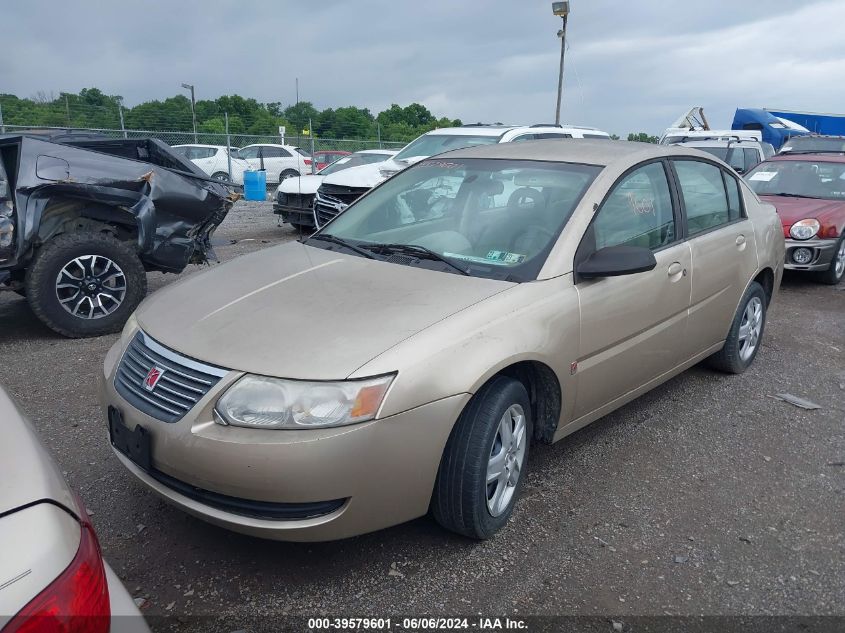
(75, 602)
(308, 162)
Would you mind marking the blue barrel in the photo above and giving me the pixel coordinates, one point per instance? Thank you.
(255, 185)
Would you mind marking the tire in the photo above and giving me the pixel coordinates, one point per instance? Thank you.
(288, 173)
(735, 357)
(302, 228)
(81, 255)
(220, 175)
(460, 502)
(836, 272)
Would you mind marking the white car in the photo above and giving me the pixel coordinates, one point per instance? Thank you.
(52, 573)
(339, 191)
(740, 153)
(295, 196)
(279, 161)
(212, 160)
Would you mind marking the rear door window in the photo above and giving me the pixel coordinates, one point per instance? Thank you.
(705, 195)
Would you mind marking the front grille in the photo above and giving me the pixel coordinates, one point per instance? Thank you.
(295, 200)
(346, 195)
(181, 382)
(332, 199)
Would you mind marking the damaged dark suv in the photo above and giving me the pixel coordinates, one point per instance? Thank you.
(81, 222)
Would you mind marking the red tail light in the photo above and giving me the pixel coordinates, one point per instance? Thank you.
(308, 161)
(75, 602)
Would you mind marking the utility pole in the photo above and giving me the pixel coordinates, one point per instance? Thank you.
(297, 91)
(378, 131)
(313, 160)
(193, 108)
(228, 144)
(560, 9)
(120, 111)
(2, 126)
(67, 110)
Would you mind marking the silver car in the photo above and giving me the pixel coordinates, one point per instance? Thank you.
(52, 574)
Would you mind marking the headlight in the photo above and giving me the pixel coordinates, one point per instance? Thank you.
(805, 229)
(275, 403)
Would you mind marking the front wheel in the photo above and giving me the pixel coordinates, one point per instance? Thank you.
(834, 274)
(220, 175)
(85, 284)
(288, 173)
(483, 465)
(746, 334)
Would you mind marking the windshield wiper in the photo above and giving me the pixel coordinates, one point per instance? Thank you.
(421, 252)
(793, 195)
(327, 237)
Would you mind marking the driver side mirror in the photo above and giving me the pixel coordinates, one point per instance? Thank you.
(614, 261)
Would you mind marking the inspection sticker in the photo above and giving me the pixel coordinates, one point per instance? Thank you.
(505, 257)
(765, 176)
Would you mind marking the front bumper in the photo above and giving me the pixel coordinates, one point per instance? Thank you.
(303, 216)
(822, 254)
(384, 470)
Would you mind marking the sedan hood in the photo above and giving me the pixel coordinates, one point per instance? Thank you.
(301, 184)
(297, 311)
(27, 472)
(790, 210)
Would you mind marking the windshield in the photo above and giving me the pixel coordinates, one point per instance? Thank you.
(814, 144)
(492, 218)
(352, 161)
(431, 144)
(813, 179)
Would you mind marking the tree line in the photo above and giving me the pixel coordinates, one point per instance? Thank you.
(91, 108)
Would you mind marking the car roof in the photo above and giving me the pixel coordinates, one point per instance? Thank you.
(820, 157)
(499, 129)
(267, 145)
(391, 152)
(572, 150)
(718, 142)
(201, 145)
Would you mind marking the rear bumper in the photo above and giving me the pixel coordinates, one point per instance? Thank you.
(822, 254)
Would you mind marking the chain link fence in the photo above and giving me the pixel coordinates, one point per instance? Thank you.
(173, 137)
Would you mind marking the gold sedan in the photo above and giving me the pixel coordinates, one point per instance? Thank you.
(406, 356)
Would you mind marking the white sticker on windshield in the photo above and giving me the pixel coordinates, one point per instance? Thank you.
(765, 176)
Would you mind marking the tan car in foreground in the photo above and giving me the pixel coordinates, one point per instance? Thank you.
(477, 302)
(52, 574)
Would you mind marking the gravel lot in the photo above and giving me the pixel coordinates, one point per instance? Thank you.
(706, 496)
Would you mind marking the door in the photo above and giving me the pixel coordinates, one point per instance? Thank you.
(632, 325)
(721, 239)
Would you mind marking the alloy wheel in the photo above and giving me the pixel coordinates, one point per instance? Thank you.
(839, 265)
(750, 328)
(91, 286)
(507, 455)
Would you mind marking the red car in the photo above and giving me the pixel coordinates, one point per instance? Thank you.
(808, 191)
(324, 158)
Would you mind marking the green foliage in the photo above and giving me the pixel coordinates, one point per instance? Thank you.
(643, 137)
(92, 108)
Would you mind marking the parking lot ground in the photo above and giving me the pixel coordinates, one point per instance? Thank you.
(706, 496)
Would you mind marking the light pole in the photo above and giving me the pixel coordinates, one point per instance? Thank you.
(193, 108)
(561, 9)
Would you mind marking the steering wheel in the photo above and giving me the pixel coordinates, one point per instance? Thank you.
(519, 197)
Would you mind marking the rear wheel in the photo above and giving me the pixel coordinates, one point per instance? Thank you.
(85, 284)
(746, 333)
(288, 173)
(483, 465)
(834, 274)
(220, 175)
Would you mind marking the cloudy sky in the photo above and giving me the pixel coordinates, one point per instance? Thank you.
(630, 66)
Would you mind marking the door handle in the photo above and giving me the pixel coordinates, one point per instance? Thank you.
(676, 269)
(740, 240)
